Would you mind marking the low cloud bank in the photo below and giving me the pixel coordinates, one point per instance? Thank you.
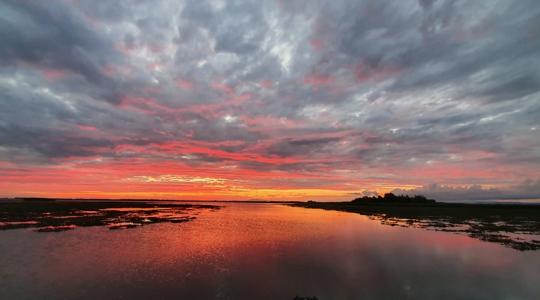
(529, 189)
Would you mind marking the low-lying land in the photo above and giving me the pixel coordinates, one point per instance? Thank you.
(513, 225)
(46, 215)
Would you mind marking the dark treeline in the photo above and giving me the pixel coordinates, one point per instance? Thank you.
(391, 198)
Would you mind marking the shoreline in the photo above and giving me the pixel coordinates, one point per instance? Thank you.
(513, 225)
(51, 215)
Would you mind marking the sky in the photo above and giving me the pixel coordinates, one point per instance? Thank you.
(274, 100)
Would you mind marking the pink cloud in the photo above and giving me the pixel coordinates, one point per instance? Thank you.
(112, 70)
(364, 72)
(317, 44)
(317, 80)
(53, 74)
(146, 105)
(267, 84)
(268, 123)
(87, 128)
(223, 87)
(154, 66)
(184, 84)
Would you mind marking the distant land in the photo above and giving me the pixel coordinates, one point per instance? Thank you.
(52, 215)
(513, 225)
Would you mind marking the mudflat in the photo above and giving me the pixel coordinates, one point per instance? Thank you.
(513, 225)
(46, 215)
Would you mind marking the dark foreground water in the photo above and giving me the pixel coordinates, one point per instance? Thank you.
(262, 251)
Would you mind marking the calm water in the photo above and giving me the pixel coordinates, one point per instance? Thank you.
(262, 251)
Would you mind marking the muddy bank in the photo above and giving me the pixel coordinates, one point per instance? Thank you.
(62, 215)
(515, 226)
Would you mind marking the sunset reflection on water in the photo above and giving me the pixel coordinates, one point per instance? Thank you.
(263, 251)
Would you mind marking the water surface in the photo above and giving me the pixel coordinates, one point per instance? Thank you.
(262, 251)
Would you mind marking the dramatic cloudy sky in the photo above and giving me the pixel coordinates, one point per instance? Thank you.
(278, 99)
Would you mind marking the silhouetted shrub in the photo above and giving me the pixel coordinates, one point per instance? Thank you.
(392, 198)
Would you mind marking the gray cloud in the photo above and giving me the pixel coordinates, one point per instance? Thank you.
(410, 84)
(52, 36)
(528, 189)
(291, 147)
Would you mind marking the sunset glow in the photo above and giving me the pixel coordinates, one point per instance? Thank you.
(268, 100)
(269, 149)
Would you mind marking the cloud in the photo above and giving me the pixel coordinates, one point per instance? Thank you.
(291, 147)
(176, 179)
(529, 189)
(371, 93)
(54, 38)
